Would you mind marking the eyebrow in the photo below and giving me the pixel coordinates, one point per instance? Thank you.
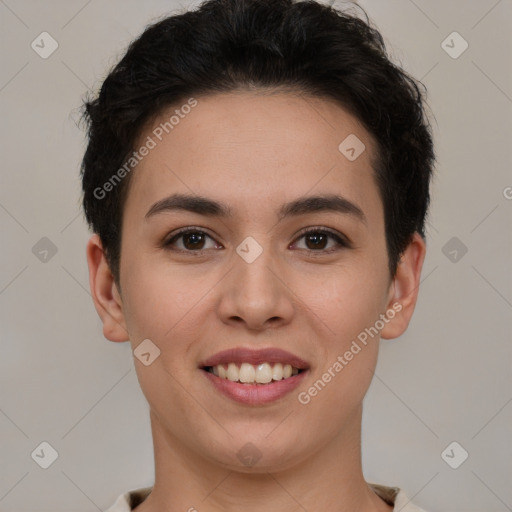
(210, 208)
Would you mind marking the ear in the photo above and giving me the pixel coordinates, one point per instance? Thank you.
(105, 295)
(404, 289)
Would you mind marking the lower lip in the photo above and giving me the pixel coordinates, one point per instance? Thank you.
(255, 394)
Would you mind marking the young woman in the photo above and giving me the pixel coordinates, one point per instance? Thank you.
(257, 180)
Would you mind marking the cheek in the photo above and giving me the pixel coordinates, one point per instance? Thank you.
(346, 307)
(157, 308)
(158, 299)
(346, 312)
(345, 299)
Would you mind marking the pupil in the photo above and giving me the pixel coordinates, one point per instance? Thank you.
(319, 240)
(193, 239)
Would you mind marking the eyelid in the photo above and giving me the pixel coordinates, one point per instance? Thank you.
(340, 238)
(183, 231)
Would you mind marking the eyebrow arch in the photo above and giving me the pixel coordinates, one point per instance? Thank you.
(210, 208)
(330, 202)
(191, 203)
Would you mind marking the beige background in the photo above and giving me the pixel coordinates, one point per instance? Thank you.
(448, 379)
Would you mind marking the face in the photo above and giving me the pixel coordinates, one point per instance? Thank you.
(251, 242)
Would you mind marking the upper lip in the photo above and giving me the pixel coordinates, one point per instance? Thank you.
(251, 356)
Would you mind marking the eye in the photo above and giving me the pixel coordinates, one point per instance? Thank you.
(191, 240)
(317, 239)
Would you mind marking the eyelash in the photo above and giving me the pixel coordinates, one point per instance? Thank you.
(341, 241)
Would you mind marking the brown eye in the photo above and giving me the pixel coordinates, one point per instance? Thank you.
(190, 240)
(317, 240)
(193, 241)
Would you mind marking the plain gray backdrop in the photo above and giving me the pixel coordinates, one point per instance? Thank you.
(448, 379)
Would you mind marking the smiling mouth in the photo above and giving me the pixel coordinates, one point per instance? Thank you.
(246, 373)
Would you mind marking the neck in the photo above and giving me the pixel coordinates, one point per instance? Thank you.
(329, 479)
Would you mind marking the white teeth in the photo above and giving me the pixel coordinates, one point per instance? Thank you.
(233, 372)
(249, 374)
(263, 373)
(277, 371)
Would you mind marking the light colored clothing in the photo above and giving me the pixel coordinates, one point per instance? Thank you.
(391, 495)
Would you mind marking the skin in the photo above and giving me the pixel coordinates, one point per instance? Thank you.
(253, 152)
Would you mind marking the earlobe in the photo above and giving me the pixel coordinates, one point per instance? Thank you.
(106, 297)
(405, 288)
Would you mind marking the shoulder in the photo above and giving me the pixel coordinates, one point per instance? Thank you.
(129, 500)
(395, 496)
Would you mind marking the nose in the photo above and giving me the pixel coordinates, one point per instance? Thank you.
(256, 295)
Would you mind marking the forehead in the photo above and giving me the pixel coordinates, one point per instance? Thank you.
(242, 147)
